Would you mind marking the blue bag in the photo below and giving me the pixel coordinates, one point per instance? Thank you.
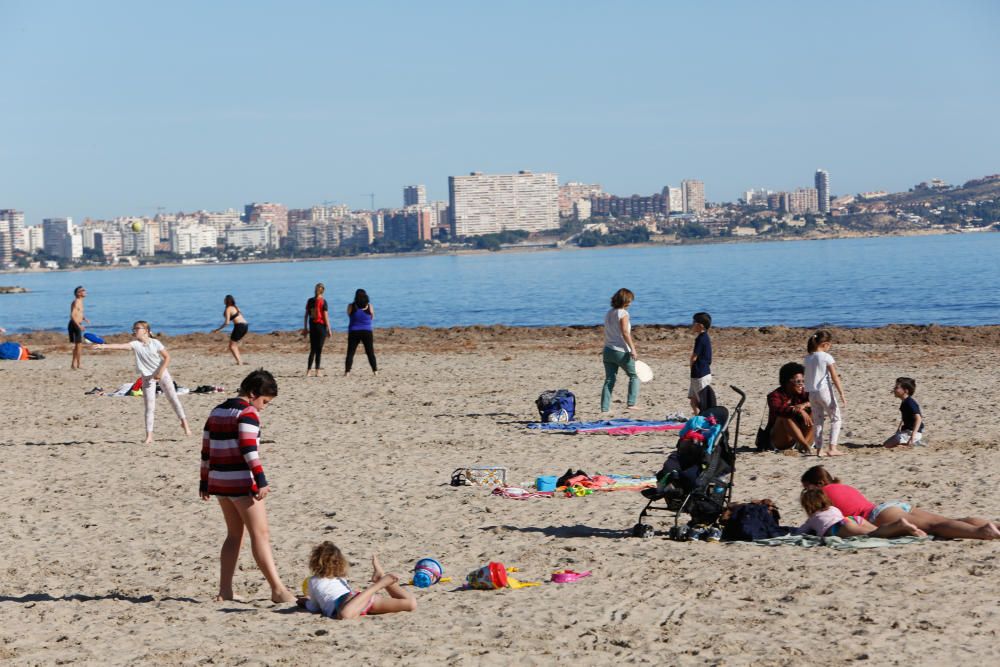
(557, 405)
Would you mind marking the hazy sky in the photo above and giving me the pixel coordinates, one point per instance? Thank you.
(115, 108)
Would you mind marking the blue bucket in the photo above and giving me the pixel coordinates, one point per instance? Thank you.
(546, 483)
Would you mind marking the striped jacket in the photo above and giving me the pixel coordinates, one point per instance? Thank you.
(230, 464)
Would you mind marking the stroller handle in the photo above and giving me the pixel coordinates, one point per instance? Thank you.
(743, 395)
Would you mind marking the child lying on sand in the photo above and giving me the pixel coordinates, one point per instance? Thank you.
(331, 595)
(825, 519)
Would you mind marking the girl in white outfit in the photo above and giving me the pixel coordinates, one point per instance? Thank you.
(821, 379)
(151, 360)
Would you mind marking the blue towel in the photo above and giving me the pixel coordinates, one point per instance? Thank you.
(604, 424)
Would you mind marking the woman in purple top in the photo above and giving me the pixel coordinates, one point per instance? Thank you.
(361, 313)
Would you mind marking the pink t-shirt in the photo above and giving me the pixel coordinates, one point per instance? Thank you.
(822, 521)
(848, 500)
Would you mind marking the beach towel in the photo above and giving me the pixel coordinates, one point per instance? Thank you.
(840, 543)
(609, 426)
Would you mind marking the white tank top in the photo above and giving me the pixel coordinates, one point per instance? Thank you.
(613, 337)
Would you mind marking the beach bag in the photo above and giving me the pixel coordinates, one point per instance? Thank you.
(556, 405)
(11, 351)
(480, 476)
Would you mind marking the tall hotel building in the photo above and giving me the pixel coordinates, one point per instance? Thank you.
(12, 235)
(823, 188)
(490, 203)
(693, 195)
(414, 195)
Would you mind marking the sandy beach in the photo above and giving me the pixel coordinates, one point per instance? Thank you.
(111, 558)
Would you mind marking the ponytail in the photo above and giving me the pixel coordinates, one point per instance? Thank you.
(817, 339)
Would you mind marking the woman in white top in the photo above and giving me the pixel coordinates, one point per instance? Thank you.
(619, 350)
(821, 379)
(151, 360)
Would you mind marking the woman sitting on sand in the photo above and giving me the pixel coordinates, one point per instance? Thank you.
(789, 422)
(852, 502)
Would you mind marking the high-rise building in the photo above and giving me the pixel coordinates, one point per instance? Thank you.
(823, 190)
(489, 203)
(570, 193)
(276, 214)
(414, 195)
(34, 238)
(675, 199)
(251, 235)
(693, 195)
(58, 235)
(12, 224)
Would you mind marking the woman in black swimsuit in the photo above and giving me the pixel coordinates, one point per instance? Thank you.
(240, 327)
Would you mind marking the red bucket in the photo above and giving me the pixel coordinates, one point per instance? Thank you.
(488, 577)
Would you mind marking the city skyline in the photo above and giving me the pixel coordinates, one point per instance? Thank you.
(124, 109)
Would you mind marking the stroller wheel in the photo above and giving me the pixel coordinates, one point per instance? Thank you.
(642, 530)
(679, 533)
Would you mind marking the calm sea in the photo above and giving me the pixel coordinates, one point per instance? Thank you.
(950, 279)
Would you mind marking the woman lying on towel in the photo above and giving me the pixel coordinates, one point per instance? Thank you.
(852, 502)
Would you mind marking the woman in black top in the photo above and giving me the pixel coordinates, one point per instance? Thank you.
(240, 327)
(317, 326)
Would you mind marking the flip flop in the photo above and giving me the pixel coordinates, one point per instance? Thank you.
(568, 576)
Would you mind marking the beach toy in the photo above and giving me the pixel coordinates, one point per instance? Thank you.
(427, 572)
(488, 577)
(546, 483)
(568, 576)
(93, 338)
(305, 586)
(643, 370)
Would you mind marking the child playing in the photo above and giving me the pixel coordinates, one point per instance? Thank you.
(701, 359)
(151, 360)
(821, 379)
(911, 427)
(825, 519)
(331, 595)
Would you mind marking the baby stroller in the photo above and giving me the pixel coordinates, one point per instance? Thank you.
(697, 479)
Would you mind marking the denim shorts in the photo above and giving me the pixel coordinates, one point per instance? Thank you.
(906, 507)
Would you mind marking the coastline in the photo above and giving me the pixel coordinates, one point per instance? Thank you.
(508, 250)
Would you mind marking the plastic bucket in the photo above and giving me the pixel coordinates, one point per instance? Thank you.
(488, 577)
(546, 483)
(427, 572)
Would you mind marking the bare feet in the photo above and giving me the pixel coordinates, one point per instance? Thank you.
(988, 532)
(186, 427)
(319, 373)
(346, 373)
(911, 529)
(377, 571)
(282, 595)
(225, 595)
(634, 408)
(148, 440)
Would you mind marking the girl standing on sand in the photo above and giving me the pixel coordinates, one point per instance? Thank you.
(821, 379)
(317, 326)
(231, 471)
(240, 327)
(361, 314)
(619, 349)
(151, 360)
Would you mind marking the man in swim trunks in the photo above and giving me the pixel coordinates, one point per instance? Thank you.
(75, 326)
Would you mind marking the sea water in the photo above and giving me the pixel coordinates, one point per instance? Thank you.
(944, 279)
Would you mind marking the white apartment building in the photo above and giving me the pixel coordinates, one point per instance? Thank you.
(141, 243)
(252, 235)
(190, 238)
(489, 203)
(582, 209)
(220, 221)
(693, 195)
(107, 242)
(58, 240)
(34, 237)
(12, 236)
(675, 198)
(570, 193)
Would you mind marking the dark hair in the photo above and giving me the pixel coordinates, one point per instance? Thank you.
(259, 383)
(788, 371)
(817, 339)
(909, 384)
(818, 476)
(361, 299)
(230, 301)
(76, 290)
(814, 500)
(704, 319)
(622, 298)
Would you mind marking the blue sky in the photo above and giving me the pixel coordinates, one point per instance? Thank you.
(115, 108)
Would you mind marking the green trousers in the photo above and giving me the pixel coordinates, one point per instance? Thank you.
(613, 360)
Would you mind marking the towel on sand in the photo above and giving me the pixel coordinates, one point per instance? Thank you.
(842, 543)
(608, 426)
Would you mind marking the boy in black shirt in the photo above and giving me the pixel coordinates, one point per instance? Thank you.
(911, 427)
(701, 359)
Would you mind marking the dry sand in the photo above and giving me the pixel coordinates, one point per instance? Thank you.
(110, 558)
